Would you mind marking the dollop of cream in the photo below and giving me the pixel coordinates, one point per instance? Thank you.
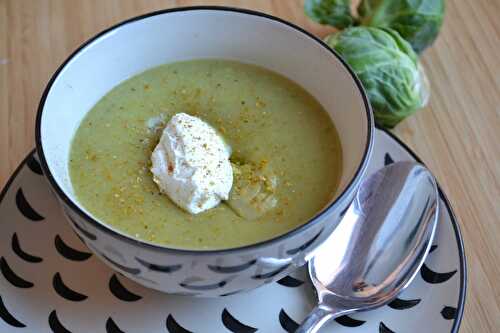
(191, 164)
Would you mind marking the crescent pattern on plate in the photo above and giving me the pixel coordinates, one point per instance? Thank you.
(290, 281)
(174, 327)
(66, 292)
(234, 325)
(403, 304)
(384, 329)
(55, 325)
(120, 292)
(68, 252)
(16, 247)
(33, 164)
(111, 326)
(8, 317)
(25, 208)
(433, 277)
(287, 323)
(449, 312)
(12, 277)
(348, 321)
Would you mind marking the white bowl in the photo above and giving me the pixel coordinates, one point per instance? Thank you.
(138, 44)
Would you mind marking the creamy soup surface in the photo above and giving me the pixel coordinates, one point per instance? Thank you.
(264, 117)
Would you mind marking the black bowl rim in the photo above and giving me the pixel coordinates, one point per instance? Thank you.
(157, 247)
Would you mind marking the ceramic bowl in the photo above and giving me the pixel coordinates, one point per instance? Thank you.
(138, 44)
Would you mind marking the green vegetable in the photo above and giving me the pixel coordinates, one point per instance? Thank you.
(388, 68)
(417, 21)
(333, 12)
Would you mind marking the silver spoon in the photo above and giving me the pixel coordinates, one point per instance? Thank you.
(378, 247)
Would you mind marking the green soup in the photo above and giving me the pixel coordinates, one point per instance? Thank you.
(262, 115)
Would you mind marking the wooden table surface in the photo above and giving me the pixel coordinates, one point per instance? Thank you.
(457, 135)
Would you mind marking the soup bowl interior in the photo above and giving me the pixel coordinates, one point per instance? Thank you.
(197, 33)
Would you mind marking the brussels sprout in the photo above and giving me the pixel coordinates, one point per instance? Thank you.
(333, 12)
(388, 68)
(417, 21)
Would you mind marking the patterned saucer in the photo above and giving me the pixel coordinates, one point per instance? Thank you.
(50, 282)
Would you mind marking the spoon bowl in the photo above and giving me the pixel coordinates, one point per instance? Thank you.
(378, 247)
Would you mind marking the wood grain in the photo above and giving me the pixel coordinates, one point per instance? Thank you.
(457, 135)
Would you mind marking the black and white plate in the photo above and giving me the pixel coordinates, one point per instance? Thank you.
(50, 282)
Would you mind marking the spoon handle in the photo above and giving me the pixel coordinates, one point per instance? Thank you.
(317, 318)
